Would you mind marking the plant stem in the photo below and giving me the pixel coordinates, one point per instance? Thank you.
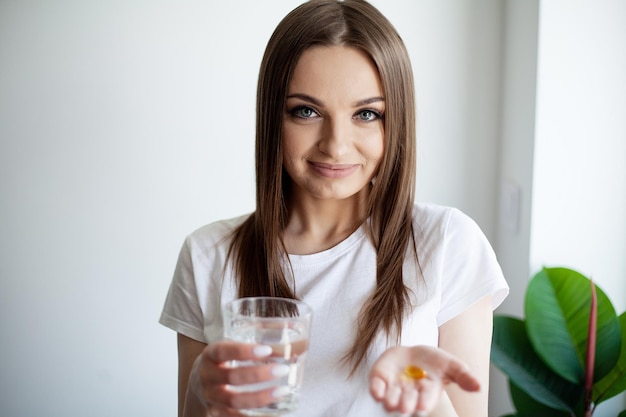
(591, 350)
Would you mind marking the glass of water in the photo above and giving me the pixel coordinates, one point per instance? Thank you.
(282, 324)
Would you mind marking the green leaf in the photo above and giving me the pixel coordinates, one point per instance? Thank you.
(615, 381)
(525, 405)
(557, 306)
(622, 414)
(513, 354)
(547, 328)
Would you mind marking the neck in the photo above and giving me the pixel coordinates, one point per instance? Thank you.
(315, 225)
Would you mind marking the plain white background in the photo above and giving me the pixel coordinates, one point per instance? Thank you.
(125, 125)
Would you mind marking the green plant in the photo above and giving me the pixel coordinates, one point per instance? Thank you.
(569, 354)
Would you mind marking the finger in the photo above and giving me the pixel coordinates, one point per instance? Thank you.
(229, 374)
(429, 395)
(454, 370)
(392, 397)
(377, 387)
(459, 373)
(243, 400)
(214, 368)
(408, 400)
(243, 375)
(228, 351)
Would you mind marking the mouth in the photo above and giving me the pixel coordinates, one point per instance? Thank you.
(333, 170)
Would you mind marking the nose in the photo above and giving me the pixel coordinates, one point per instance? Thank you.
(335, 138)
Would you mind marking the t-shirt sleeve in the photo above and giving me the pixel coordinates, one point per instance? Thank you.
(182, 312)
(470, 269)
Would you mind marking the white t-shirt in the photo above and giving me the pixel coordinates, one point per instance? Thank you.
(457, 267)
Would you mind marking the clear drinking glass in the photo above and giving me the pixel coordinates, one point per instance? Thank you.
(284, 325)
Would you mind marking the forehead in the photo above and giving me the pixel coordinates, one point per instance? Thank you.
(335, 69)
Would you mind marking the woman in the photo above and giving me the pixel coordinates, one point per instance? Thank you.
(391, 283)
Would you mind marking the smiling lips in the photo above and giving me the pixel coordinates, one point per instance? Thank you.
(333, 170)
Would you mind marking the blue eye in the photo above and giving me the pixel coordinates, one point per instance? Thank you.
(368, 115)
(303, 112)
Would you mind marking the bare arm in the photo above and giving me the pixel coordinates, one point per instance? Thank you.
(188, 351)
(468, 337)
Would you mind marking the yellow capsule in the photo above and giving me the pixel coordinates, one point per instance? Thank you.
(415, 372)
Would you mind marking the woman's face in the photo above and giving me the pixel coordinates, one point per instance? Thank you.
(332, 135)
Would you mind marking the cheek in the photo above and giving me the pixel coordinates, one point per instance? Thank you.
(291, 153)
(375, 148)
(379, 151)
(297, 143)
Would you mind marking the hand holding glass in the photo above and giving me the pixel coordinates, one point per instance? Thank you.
(284, 325)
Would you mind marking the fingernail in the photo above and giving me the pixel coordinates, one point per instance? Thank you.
(262, 350)
(281, 391)
(280, 370)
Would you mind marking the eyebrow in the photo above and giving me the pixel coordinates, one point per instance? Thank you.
(319, 103)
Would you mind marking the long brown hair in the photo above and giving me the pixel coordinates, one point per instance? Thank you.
(257, 249)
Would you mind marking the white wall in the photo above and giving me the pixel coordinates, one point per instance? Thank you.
(579, 184)
(124, 125)
(579, 187)
(455, 47)
(564, 146)
(519, 68)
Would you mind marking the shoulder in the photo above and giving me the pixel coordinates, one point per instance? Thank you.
(432, 220)
(451, 240)
(215, 233)
(430, 214)
(455, 253)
